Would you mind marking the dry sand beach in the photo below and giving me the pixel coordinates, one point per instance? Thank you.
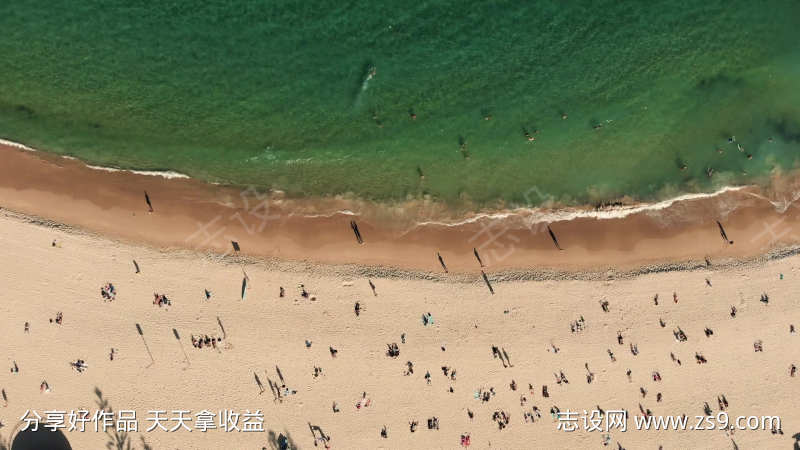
(99, 223)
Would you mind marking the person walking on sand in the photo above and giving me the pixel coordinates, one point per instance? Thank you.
(356, 231)
(372, 286)
(486, 280)
(477, 256)
(147, 200)
(441, 261)
(723, 234)
(554, 238)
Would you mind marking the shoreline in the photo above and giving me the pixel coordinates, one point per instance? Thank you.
(545, 214)
(188, 211)
(399, 273)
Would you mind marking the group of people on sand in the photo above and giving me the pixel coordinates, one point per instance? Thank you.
(364, 402)
(79, 365)
(531, 416)
(59, 318)
(161, 300)
(108, 292)
(205, 341)
(501, 418)
(577, 325)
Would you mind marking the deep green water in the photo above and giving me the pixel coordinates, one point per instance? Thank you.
(270, 93)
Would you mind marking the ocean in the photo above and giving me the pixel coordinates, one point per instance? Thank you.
(473, 104)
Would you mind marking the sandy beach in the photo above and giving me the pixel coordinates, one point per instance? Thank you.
(544, 299)
(193, 215)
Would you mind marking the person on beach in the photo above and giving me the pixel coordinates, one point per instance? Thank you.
(723, 234)
(59, 318)
(410, 370)
(486, 280)
(554, 238)
(149, 204)
(477, 256)
(372, 286)
(356, 231)
(161, 300)
(441, 261)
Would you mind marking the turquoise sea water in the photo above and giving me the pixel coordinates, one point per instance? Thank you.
(278, 94)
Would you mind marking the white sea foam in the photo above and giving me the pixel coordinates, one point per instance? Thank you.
(169, 174)
(343, 212)
(539, 215)
(532, 215)
(16, 145)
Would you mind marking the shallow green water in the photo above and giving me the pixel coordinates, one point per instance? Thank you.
(270, 93)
